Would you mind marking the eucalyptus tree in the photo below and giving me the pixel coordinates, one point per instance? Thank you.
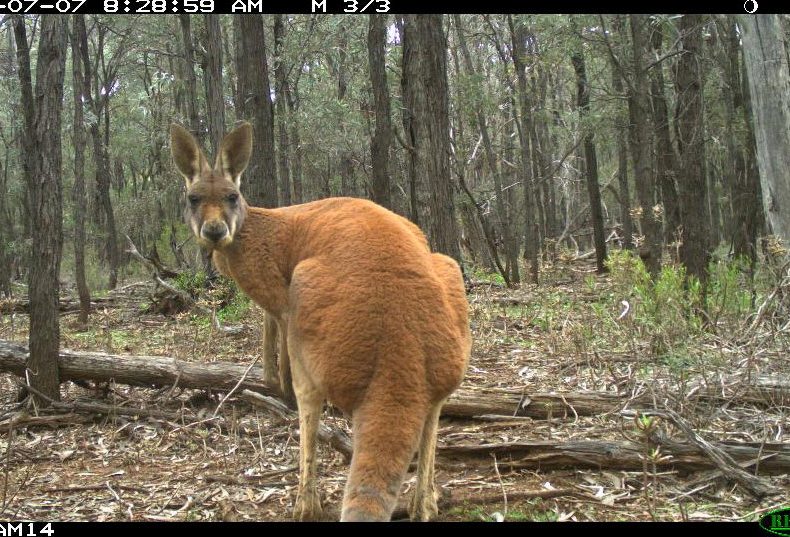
(42, 167)
(766, 59)
(690, 136)
(426, 97)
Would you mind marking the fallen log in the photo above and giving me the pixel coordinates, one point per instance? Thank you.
(466, 402)
(168, 371)
(331, 435)
(721, 458)
(469, 403)
(628, 456)
(147, 371)
(64, 306)
(402, 513)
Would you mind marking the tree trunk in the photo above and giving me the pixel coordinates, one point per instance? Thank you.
(281, 106)
(641, 144)
(425, 73)
(239, 89)
(345, 167)
(212, 80)
(42, 112)
(714, 206)
(189, 71)
(473, 237)
(6, 232)
(766, 59)
(255, 97)
(531, 245)
(166, 371)
(502, 210)
(512, 196)
(590, 160)
(96, 102)
(742, 181)
(382, 137)
(690, 136)
(750, 185)
(622, 153)
(215, 108)
(546, 143)
(406, 121)
(78, 198)
(666, 160)
(296, 158)
(64, 306)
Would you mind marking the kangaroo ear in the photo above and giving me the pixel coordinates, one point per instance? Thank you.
(188, 156)
(234, 152)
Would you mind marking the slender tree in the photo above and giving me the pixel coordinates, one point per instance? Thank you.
(747, 198)
(502, 209)
(96, 95)
(666, 158)
(590, 158)
(641, 144)
(43, 169)
(339, 65)
(281, 109)
(519, 38)
(189, 69)
(425, 76)
(78, 198)
(380, 142)
(256, 101)
(690, 136)
(621, 129)
(212, 80)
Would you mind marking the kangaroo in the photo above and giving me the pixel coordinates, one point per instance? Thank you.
(373, 321)
(276, 373)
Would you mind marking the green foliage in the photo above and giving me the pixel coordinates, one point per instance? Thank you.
(589, 281)
(665, 311)
(627, 271)
(193, 283)
(486, 276)
(224, 296)
(236, 309)
(729, 289)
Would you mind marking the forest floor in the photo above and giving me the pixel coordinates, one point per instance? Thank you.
(564, 336)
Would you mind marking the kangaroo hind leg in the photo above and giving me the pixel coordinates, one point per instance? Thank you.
(386, 433)
(310, 402)
(423, 506)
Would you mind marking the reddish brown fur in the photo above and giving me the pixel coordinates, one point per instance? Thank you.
(374, 322)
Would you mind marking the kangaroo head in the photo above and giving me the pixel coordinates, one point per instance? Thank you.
(215, 207)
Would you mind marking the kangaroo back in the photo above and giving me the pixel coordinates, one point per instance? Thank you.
(373, 321)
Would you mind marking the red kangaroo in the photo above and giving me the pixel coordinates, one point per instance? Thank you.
(373, 321)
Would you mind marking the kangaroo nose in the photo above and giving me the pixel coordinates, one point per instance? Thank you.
(214, 231)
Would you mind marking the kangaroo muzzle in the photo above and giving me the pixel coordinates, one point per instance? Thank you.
(214, 231)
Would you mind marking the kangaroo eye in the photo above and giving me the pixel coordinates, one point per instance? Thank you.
(193, 199)
(232, 198)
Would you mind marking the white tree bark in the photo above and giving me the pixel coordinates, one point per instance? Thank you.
(765, 54)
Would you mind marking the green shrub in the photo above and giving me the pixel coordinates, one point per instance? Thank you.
(729, 288)
(194, 283)
(664, 311)
(483, 275)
